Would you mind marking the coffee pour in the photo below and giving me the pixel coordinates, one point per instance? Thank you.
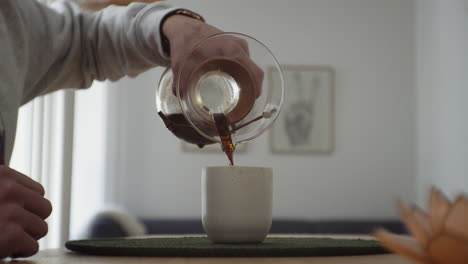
(221, 99)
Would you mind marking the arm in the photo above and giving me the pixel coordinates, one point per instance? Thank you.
(95, 5)
(72, 48)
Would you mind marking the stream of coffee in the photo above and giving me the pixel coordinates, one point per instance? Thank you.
(182, 129)
(225, 135)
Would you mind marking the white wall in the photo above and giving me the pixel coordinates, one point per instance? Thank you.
(370, 43)
(442, 88)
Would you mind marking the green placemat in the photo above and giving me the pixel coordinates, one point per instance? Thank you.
(202, 247)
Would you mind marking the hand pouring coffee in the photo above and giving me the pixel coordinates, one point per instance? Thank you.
(221, 98)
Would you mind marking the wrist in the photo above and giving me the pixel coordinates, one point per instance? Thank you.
(175, 23)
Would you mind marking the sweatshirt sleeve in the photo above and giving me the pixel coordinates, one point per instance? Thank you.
(69, 48)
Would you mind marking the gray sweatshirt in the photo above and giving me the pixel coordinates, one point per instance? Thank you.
(43, 49)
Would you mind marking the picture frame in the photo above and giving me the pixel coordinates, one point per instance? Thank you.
(212, 148)
(306, 122)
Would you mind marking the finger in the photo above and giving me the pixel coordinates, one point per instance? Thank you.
(15, 242)
(239, 49)
(257, 73)
(233, 48)
(244, 45)
(22, 179)
(32, 201)
(184, 74)
(259, 76)
(37, 204)
(31, 223)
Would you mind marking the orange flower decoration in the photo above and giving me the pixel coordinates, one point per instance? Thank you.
(439, 237)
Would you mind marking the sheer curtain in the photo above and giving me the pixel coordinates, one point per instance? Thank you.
(43, 151)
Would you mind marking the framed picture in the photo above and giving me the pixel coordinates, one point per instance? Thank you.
(306, 121)
(212, 148)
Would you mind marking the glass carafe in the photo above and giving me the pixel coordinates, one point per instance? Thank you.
(214, 87)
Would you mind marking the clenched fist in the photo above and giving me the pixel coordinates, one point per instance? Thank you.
(23, 210)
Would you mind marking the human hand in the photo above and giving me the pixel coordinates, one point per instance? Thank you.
(184, 33)
(23, 210)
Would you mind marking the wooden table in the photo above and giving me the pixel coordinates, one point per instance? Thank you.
(60, 256)
(63, 256)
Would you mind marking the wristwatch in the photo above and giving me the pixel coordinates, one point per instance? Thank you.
(184, 12)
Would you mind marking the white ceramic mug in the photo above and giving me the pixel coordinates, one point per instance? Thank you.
(237, 203)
